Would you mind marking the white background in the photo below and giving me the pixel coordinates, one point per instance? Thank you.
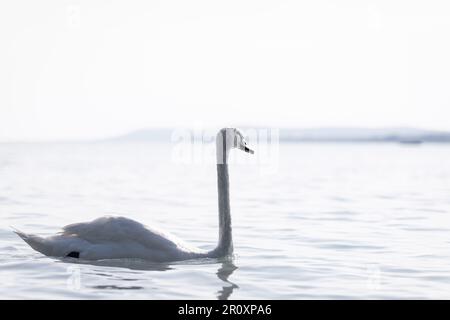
(87, 69)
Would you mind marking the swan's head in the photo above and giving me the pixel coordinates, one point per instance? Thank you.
(230, 138)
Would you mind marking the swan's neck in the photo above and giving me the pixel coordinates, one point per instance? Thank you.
(225, 245)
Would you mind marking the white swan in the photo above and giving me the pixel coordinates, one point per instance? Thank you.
(119, 237)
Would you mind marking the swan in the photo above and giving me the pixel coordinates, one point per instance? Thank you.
(112, 237)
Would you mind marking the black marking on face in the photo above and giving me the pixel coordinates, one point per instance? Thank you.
(74, 254)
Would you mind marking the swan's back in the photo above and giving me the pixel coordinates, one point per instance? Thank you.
(120, 229)
(111, 238)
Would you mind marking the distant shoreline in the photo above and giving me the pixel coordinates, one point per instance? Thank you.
(319, 135)
(409, 136)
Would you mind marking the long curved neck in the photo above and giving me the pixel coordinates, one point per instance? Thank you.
(225, 245)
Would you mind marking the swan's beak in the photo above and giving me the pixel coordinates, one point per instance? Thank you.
(247, 149)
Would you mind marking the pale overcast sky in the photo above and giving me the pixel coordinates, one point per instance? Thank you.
(81, 69)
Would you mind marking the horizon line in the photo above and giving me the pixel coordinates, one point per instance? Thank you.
(119, 136)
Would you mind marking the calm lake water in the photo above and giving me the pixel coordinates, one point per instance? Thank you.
(330, 221)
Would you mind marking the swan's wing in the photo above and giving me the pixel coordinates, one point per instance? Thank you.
(122, 230)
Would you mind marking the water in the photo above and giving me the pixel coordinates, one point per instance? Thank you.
(335, 221)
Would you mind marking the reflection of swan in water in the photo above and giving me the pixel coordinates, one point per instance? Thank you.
(224, 272)
(131, 278)
(120, 237)
(131, 264)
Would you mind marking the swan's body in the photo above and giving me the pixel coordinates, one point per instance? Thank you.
(112, 238)
(119, 237)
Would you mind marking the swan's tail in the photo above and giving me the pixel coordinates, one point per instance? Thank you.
(34, 241)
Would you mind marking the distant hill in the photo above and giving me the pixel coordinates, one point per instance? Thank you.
(400, 135)
(146, 135)
(406, 135)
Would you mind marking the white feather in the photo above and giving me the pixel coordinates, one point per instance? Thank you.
(112, 238)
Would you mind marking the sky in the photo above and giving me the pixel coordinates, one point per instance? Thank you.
(90, 69)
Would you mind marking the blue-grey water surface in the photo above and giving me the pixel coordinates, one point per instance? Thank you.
(332, 221)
